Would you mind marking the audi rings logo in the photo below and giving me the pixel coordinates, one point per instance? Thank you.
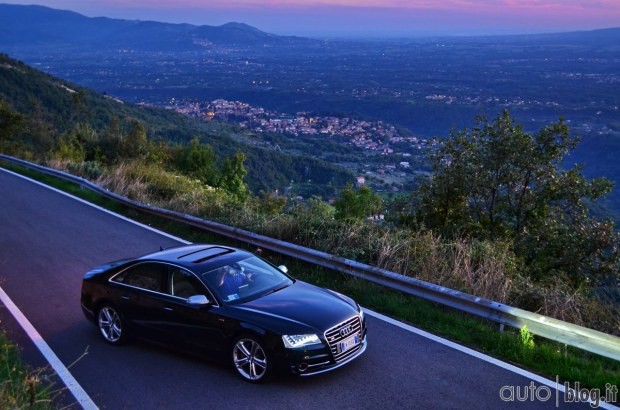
(346, 331)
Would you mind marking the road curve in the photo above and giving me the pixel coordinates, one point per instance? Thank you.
(48, 240)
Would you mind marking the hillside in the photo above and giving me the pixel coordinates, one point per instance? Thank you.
(51, 30)
(54, 106)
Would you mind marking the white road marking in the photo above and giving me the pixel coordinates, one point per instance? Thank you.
(507, 366)
(74, 387)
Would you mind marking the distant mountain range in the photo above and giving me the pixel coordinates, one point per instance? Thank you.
(58, 30)
(43, 29)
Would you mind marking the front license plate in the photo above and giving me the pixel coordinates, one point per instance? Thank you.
(349, 343)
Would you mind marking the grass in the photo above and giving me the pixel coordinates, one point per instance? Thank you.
(536, 354)
(21, 387)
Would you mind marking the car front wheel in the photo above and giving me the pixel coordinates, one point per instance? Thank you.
(111, 325)
(251, 359)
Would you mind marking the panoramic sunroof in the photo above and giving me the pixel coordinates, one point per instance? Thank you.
(204, 254)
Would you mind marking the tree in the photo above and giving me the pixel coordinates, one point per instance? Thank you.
(111, 139)
(271, 204)
(198, 161)
(78, 106)
(41, 133)
(78, 145)
(135, 143)
(357, 204)
(12, 123)
(496, 181)
(233, 173)
(69, 148)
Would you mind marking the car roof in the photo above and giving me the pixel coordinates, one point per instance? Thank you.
(198, 257)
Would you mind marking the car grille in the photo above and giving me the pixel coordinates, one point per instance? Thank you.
(341, 332)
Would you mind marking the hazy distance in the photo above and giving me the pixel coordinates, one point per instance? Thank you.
(363, 18)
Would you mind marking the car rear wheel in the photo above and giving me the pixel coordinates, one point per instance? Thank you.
(251, 359)
(111, 325)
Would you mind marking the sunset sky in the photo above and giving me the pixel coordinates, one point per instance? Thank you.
(370, 18)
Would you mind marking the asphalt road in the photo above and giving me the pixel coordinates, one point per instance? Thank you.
(47, 242)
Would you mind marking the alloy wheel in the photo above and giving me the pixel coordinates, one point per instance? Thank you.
(110, 325)
(250, 359)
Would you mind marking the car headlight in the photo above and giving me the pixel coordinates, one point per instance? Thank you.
(297, 341)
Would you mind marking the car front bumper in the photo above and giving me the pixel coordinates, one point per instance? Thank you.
(311, 362)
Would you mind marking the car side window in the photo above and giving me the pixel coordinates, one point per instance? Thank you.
(148, 276)
(183, 284)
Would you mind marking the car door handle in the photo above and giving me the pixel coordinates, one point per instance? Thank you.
(168, 309)
(125, 298)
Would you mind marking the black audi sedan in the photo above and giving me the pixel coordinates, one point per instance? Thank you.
(225, 303)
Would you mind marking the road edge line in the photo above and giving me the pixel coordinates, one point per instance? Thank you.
(74, 387)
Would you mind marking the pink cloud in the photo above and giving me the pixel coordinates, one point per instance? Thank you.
(401, 4)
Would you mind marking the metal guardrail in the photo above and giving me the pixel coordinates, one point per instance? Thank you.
(563, 332)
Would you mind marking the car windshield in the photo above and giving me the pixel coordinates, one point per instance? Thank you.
(244, 280)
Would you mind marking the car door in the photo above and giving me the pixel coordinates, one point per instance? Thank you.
(198, 327)
(140, 290)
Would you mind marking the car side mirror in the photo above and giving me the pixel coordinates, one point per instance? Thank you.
(283, 268)
(198, 300)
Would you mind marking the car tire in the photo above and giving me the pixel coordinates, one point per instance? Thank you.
(111, 324)
(251, 359)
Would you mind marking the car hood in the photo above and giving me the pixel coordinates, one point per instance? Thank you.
(302, 306)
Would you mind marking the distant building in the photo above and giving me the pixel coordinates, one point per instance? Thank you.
(361, 181)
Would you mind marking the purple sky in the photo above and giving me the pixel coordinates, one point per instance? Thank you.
(370, 18)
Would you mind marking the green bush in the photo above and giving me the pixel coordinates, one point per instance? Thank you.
(88, 169)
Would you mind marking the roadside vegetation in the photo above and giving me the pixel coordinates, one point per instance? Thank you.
(21, 387)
